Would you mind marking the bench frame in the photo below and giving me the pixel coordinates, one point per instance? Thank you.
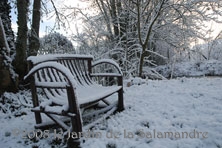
(73, 113)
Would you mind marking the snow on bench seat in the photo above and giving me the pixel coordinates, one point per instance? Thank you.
(88, 94)
(91, 94)
(50, 57)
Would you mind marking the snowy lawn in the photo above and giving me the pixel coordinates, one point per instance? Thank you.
(179, 113)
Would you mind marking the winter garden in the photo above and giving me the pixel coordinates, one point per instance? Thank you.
(159, 85)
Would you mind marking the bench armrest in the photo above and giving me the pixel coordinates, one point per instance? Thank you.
(57, 66)
(106, 75)
(110, 62)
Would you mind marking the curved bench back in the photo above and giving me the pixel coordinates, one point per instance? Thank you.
(79, 66)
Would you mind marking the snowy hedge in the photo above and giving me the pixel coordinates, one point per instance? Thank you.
(189, 69)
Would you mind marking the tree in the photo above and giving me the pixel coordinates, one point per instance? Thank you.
(14, 53)
(150, 16)
(21, 40)
(139, 29)
(34, 36)
(8, 77)
(55, 43)
(23, 47)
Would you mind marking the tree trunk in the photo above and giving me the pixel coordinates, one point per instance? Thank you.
(106, 17)
(113, 13)
(5, 78)
(21, 41)
(8, 78)
(34, 38)
(141, 64)
(144, 42)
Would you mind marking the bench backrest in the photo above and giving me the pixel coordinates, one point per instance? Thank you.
(53, 81)
(79, 66)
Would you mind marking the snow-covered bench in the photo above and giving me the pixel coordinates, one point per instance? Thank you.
(70, 86)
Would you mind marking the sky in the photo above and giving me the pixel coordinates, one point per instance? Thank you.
(47, 22)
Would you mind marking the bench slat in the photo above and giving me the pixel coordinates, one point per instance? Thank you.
(57, 120)
(75, 72)
(86, 71)
(99, 93)
(78, 71)
(90, 125)
(53, 110)
(50, 123)
(51, 84)
(83, 73)
(106, 74)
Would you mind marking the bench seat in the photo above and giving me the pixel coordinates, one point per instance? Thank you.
(99, 92)
(86, 95)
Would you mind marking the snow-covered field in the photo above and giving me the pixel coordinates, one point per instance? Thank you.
(178, 113)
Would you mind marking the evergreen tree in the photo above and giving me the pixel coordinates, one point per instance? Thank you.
(8, 78)
(21, 40)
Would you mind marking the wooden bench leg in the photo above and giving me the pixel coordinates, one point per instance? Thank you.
(35, 101)
(120, 100)
(73, 143)
(38, 118)
(76, 121)
(76, 124)
(120, 95)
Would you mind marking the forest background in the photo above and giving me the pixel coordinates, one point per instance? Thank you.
(138, 34)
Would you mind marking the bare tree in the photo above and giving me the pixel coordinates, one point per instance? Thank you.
(154, 11)
(138, 33)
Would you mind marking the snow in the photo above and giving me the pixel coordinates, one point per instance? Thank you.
(42, 58)
(94, 92)
(186, 69)
(108, 61)
(52, 84)
(4, 36)
(177, 105)
(65, 71)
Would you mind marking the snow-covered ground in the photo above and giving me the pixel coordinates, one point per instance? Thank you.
(188, 108)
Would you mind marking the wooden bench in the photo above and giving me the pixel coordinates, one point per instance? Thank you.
(70, 84)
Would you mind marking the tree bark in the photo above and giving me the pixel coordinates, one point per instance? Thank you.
(144, 43)
(106, 17)
(8, 78)
(113, 13)
(21, 41)
(34, 38)
(5, 79)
